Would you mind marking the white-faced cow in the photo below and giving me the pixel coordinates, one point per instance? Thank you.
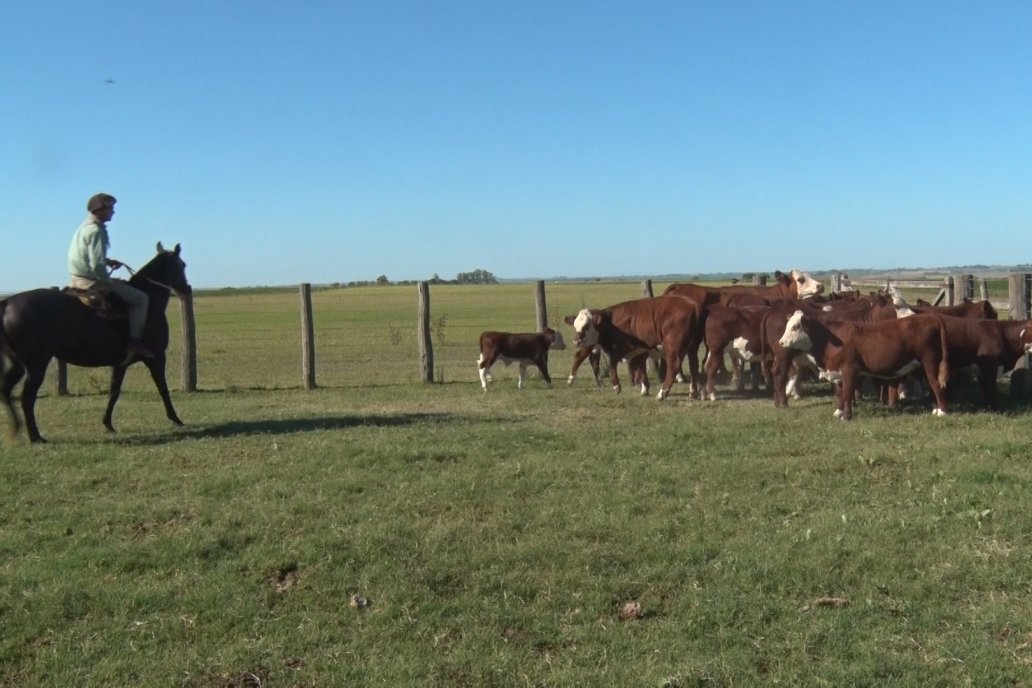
(887, 349)
(629, 331)
(787, 365)
(523, 348)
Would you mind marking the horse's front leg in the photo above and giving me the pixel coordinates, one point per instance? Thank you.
(156, 366)
(117, 376)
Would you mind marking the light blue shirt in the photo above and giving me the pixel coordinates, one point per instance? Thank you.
(87, 256)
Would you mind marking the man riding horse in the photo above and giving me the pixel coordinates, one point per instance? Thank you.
(39, 325)
(90, 267)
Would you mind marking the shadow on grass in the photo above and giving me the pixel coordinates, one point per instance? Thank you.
(286, 426)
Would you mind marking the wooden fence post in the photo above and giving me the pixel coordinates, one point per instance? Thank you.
(540, 306)
(307, 338)
(189, 373)
(759, 280)
(426, 348)
(836, 283)
(1018, 286)
(951, 291)
(983, 289)
(655, 367)
(963, 287)
(62, 378)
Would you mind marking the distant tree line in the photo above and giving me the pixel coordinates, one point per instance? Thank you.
(478, 276)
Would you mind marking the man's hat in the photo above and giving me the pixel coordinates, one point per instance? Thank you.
(98, 201)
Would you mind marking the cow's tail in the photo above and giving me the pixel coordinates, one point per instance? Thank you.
(765, 367)
(944, 364)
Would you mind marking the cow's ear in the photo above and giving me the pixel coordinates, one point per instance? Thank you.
(569, 319)
(778, 274)
(596, 317)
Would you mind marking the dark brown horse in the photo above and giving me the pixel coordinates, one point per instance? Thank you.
(42, 324)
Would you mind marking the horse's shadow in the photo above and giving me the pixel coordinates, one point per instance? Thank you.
(283, 426)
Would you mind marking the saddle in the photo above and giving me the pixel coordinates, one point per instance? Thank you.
(104, 302)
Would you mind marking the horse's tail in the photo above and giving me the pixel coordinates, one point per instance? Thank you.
(12, 425)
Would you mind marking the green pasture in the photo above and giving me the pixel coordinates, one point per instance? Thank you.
(379, 531)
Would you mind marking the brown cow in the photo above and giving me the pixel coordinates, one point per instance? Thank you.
(630, 330)
(795, 285)
(987, 345)
(968, 309)
(524, 348)
(888, 349)
(738, 328)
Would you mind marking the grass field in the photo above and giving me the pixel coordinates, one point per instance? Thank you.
(378, 531)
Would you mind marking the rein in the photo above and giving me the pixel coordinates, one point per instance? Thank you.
(152, 281)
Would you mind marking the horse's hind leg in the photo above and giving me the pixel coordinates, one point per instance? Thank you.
(12, 376)
(28, 400)
(115, 389)
(156, 366)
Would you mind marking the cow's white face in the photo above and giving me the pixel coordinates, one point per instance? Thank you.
(806, 285)
(558, 343)
(1026, 338)
(795, 336)
(903, 309)
(586, 334)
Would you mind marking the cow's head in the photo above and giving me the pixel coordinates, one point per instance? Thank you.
(806, 286)
(903, 309)
(585, 328)
(795, 337)
(555, 339)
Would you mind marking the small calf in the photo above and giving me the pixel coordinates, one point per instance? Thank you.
(524, 348)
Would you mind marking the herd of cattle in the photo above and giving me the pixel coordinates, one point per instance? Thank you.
(782, 331)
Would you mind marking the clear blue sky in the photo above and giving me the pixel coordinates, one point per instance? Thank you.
(283, 142)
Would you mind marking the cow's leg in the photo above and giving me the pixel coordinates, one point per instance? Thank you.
(846, 390)
(595, 361)
(673, 364)
(614, 377)
(484, 369)
(522, 374)
(542, 365)
(987, 381)
(578, 357)
(637, 368)
(779, 374)
(711, 374)
(693, 371)
(792, 384)
(754, 373)
(931, 368)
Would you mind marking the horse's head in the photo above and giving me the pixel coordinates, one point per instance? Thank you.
(166, 269)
